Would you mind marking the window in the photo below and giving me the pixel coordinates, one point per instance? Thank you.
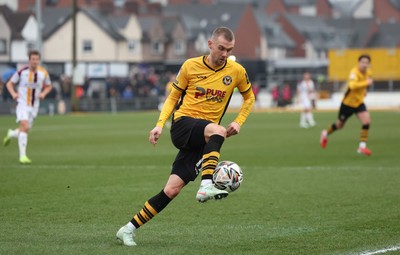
(3, 46)
(180, 47)
(157, 47)
(87, 46)
(132, 46)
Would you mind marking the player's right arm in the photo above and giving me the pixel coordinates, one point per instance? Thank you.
(168, 107)
(10, 87)
(169, 104)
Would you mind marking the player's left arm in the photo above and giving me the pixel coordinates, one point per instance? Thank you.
(247, 106)
(356, 82)
(47, 87)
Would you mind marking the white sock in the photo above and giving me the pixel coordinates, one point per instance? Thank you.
(303, 119)
(205, 182)
(130, 226)
(363, 145)
(14, 133)
(22, 143)
(310, 118)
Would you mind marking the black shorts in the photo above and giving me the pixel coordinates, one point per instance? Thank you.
(187, 134)
(346, 111)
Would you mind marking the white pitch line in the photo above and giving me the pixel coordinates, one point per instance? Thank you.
(394, 248)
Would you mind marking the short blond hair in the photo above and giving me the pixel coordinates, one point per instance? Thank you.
(225, 32)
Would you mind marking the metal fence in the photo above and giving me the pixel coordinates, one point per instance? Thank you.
(292, 79)
(52, 106)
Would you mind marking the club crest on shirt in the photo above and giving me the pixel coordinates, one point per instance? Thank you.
(227, 80)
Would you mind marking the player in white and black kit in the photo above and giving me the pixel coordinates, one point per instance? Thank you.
(33, 84)
(306, 93)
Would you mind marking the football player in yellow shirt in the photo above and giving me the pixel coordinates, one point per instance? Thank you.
(198, 100)
(353, 103)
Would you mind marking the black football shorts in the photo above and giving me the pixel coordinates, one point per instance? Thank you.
(187, 134)
(346, 111)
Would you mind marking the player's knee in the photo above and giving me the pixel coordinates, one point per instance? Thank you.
(215, 129)
(24, 127)
(220, 130)
(340, 125)
(171, 191)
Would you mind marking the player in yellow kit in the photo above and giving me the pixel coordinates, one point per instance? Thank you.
(198, 101)
(353, 103)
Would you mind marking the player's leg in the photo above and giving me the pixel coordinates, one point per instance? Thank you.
(303, 119)
(23, 141)
(151, 208)
(10, 134)
(21, 113)
(309, 116)
(214, 136)
(365, 120)
(199, 142)
(344, 113)
(25, 120)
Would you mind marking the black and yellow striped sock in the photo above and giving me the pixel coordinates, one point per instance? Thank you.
(331, 128)
(151, 208)
(364, 133)
(211, 156)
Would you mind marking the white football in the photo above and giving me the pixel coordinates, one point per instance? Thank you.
(227, 176)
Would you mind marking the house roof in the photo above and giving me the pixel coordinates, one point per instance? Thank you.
(5, 10)
(388, 36)
(346, 7)
(119, 21)
(353, 32)
(396, 3)
(104, 23)
(299, 2)
(169, 25)
(321, 35)
(275, 35)
(146, 22)
(16, 21)
(207, 17)
(254, 2)
(54, 18)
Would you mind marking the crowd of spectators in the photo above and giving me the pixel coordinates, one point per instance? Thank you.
(141, 83)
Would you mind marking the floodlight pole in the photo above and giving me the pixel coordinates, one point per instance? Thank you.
(40, 25)
(74, 100)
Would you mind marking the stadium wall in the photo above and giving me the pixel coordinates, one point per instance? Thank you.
(385, 63)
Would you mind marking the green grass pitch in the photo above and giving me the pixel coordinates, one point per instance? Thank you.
(92, 172)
